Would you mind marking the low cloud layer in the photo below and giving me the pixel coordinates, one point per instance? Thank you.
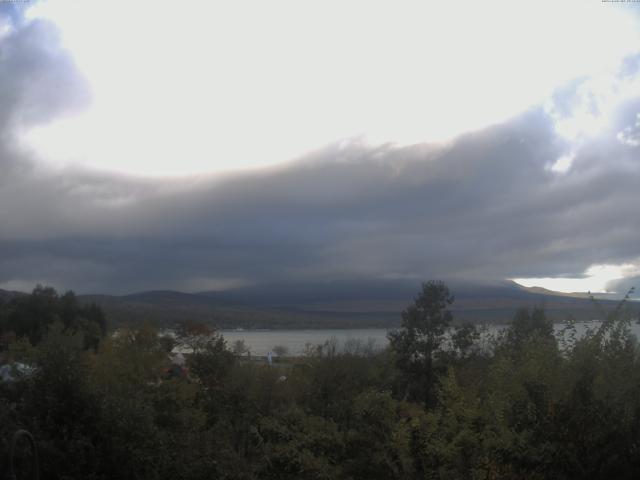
(485, 206)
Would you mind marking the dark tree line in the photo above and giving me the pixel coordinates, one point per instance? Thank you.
(442, 402)
(30, 316)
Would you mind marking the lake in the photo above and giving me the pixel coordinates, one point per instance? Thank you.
(262, 341)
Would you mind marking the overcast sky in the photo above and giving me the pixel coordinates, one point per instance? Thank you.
(245, 143)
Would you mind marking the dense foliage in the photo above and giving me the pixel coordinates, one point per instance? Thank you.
(440, 402)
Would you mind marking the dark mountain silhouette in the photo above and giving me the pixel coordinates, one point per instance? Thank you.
(9, 294)
(337, 304)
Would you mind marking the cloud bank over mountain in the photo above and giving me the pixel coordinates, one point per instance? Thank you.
(537, 195)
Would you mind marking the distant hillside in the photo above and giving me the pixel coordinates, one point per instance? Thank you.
(8, 294)
(335, 305)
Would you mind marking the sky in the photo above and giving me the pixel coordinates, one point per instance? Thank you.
(244, 143)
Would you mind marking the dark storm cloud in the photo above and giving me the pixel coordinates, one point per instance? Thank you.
(625, 285)
(485, 206)
(38, 82)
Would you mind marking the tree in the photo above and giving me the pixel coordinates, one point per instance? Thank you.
(193, 336)
(464, 339)
(421, 337)
(212, 361)
(528, 326)
(239, 347)
(32, 315)
(60, 409)
(280, 350)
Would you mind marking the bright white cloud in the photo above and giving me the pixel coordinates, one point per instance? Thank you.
(562, 164)
(631, 135)
(5, 27)
(213, 86)
(595, 279)
(588, 111)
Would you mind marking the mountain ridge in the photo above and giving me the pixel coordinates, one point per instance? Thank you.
(342, 304)
(336, 304)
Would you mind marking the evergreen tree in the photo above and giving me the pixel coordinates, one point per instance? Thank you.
(420, 339)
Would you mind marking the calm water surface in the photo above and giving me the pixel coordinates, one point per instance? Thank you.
(262, 341)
